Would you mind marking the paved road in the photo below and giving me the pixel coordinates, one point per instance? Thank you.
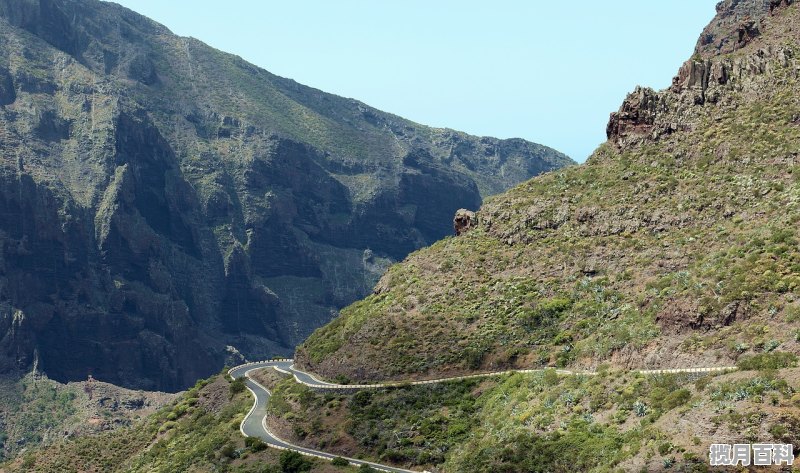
(255, 422)
(310, 380)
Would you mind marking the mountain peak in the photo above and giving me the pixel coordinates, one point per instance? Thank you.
(739, 57)
(736, 24)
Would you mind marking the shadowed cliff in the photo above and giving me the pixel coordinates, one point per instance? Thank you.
(166, 207)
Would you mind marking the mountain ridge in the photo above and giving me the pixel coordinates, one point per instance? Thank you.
(672, 240)
(168, 207)
(674, 246)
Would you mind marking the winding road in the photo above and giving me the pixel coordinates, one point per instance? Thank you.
(255, 422)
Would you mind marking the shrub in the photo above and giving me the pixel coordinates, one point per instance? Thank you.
(677, 398)
(550, 377)
(701, 383)
(292, 462)
(170, 424)
(28, 461)
(547, 312)
(664, 448)
(766, 361)
(255, 444)
(796, 400)
(237, 386)
(341, 379)
(473, 358)
(228, 451)
(778, 431)
(339, 461)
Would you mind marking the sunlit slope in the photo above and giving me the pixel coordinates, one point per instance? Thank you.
(674, 245)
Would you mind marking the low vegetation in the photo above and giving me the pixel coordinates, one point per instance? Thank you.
(198, 432)
(544, 421)
(37, 411)
(31, 410)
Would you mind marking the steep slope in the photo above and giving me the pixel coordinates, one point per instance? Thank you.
(543, 422)
(35, 410)
(197, 432)
(674, 245)
(165, 206)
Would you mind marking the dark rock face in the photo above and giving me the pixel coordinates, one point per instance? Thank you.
(165, 207)
(7, 93)
(88, 289)
(777, 4)
(635, 116)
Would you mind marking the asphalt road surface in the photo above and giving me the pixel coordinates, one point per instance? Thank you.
(255, 425)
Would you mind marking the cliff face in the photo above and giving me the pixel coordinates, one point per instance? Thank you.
(166, 207)
(736, 58)
(736, 24)
(675, 245)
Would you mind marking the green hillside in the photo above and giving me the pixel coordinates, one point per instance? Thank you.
(198, 432)
(675, 245)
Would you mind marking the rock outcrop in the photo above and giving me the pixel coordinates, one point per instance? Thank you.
(737, 24)
(712, 73)
(648, 114)
(463, 221)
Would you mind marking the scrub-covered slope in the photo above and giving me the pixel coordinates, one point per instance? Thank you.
(164, 205)
(676, 244)
(198, 432)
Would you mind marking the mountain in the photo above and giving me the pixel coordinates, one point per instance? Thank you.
(675, 245)
(166, 207)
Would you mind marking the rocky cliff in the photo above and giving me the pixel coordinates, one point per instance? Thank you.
(166, 207)
(675, 245)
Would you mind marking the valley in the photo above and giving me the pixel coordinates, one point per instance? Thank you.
(455, 304)
(167, 208)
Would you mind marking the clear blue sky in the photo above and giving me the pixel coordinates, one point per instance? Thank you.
(547, 71)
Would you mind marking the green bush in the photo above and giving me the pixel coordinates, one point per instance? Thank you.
(677, 398)
(664, 448)
(293, 462)
(255, 444)
(339, 461)
(768, 361)
(228, 451)
(237, 386)
(546, 313)
(473, 358)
